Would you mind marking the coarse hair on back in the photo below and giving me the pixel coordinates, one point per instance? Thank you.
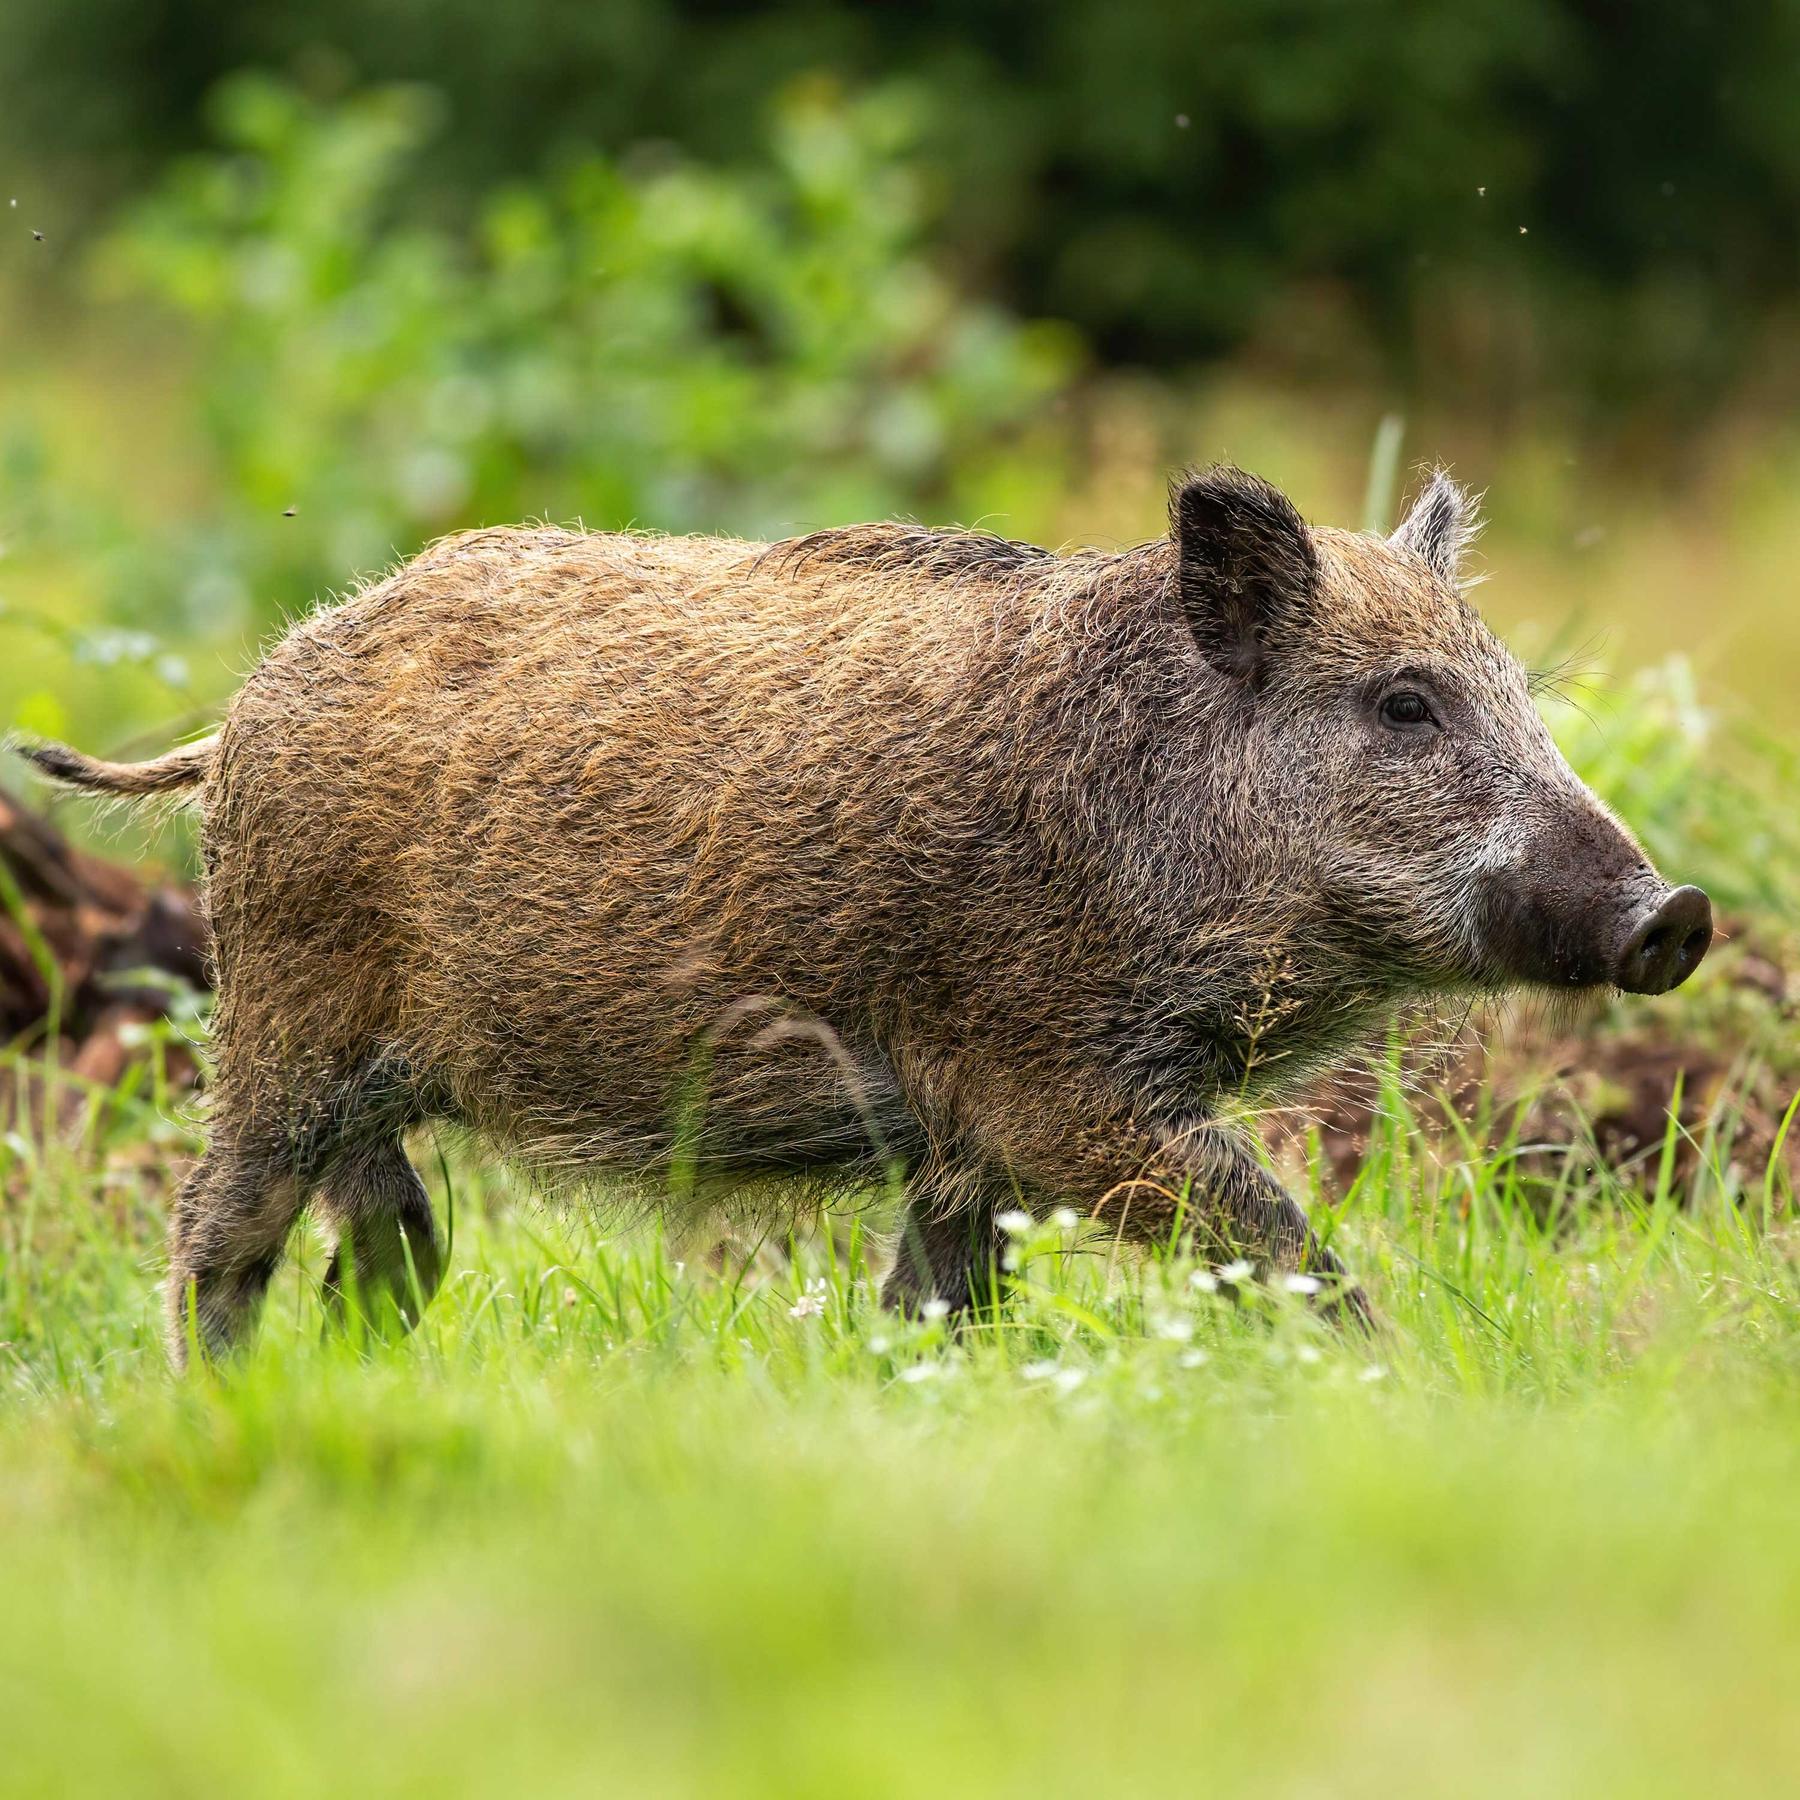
(906, 549)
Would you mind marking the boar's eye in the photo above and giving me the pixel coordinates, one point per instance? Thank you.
(1406, 710)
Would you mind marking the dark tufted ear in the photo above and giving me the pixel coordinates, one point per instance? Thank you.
(1247, 566)
(1440, 528)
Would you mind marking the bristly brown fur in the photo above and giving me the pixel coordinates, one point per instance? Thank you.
(910, 549)
(881, 848)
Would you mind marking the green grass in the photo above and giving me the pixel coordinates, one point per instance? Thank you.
(608, 1523)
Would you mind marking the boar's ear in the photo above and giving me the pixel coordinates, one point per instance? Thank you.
(1246, 565)
(1440, 528)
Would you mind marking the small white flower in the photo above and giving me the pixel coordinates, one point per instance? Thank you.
(1065, 1218)
(1014, 1224)
(879, 1346)
(1068, 1380)
(935, 1309)
(916, 1372)
(1204, 1281)
(1301, 1284)
(807, 1306)
(1239, 1270)
(1373, 1372)
(1177, 1329)
(1307, 1353)
(1039, 1371)
(1191, 1359)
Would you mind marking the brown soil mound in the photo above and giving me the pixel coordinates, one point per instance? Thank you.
(1722, 1062)
(90, 953)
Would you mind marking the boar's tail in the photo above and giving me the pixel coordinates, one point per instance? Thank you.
(185, 767)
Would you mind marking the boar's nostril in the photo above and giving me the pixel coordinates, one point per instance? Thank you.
(1667, 943)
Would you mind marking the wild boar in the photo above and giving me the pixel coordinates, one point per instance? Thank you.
(881, 848)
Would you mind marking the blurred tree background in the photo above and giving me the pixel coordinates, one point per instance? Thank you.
(1178, 181)
(287, 291)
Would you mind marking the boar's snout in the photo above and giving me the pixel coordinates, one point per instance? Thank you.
(1583, 907)
(1667, 943)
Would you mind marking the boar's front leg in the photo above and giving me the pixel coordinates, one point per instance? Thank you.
(1201, 1177)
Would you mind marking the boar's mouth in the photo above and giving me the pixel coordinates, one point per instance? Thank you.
(1633, 933)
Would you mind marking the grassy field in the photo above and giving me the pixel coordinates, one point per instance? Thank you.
(610, 1523)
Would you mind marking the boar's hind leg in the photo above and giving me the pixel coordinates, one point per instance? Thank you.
(382, 1215)
(947, 1246)
(226, 1232)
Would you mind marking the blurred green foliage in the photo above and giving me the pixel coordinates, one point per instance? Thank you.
(654, 342)
(1523, 190)
(662, 343)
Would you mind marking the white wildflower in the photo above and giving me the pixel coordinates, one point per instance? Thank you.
(807, 1306)
(1204, 1281)
(935, 1309)
(1065, 1218)
(1238, 1270)
(1014, 1224)
(1302, 1284)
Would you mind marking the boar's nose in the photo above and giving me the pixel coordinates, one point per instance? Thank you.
(1667, 943)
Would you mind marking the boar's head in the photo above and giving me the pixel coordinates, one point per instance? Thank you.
(1395, 749)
